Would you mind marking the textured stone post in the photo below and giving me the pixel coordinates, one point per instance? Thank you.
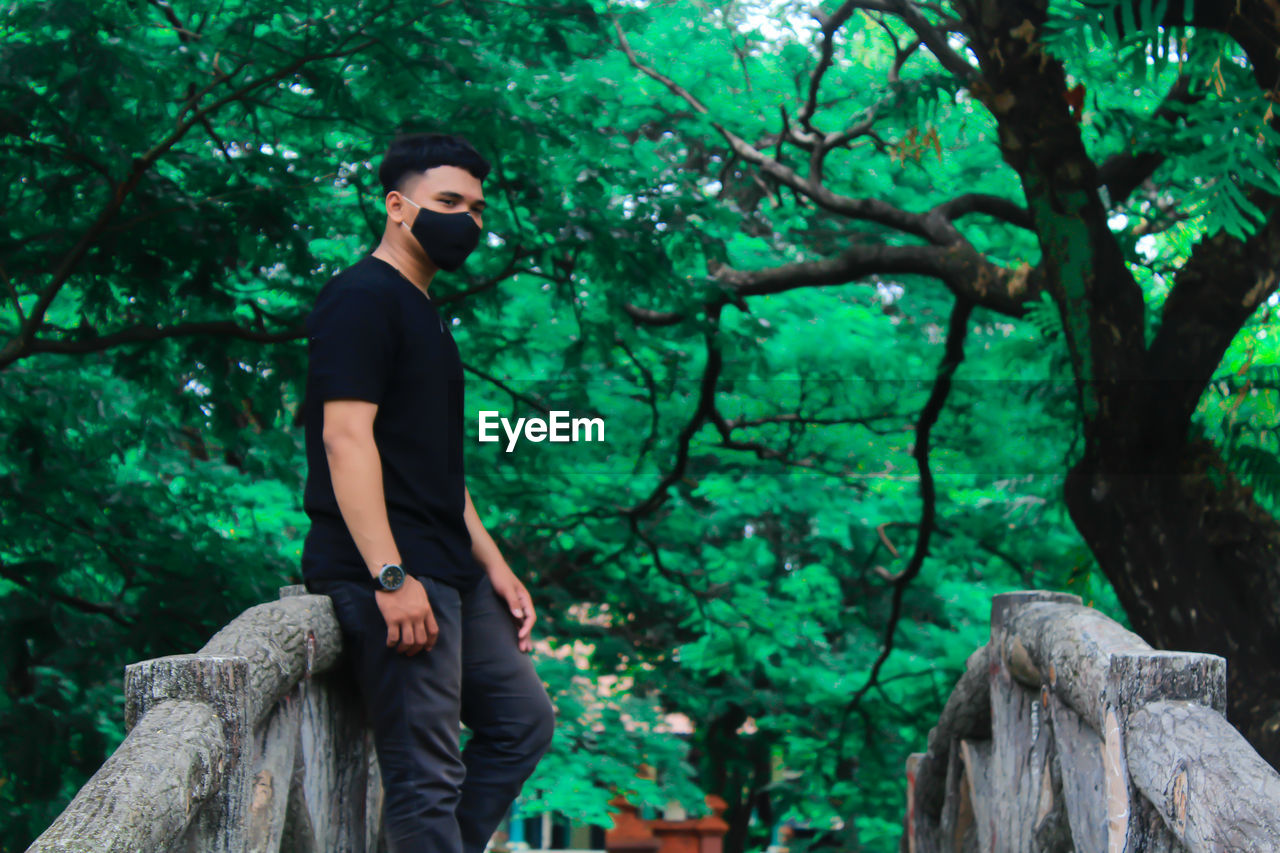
(1210, 787)
(143, 797)
(221, 683)
(1135, 679)
(1024, 804)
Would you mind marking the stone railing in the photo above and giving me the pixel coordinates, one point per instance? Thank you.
(1068, 732)
(256, 744)
(253, 743)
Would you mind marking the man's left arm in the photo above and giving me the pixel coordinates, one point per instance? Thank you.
(505, 583)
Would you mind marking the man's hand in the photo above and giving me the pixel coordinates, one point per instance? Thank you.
(411, 626)
(510, 590)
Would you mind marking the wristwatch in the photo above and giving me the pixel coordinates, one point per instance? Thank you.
(389, 579)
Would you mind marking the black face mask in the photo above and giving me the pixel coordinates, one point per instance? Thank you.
(447, 238)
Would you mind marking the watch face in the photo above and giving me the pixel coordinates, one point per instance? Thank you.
(391, 577)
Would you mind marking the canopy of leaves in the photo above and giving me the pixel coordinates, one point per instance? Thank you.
(183, 178)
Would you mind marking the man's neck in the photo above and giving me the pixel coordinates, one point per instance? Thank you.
(418, 273)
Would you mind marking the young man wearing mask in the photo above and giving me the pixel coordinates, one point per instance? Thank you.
(434, 622)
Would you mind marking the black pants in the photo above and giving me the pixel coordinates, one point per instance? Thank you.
(474, 674)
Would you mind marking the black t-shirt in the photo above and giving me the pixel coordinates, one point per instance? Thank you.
(374, 336)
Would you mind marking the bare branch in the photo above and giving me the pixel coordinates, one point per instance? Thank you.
(900, 59)
(683, 579)
(830, 26)
(935, 39)
(509, 270)
(820, 147)
(871, 209)
(933, 225)
(885, 538)
(651, 386)
(992, 205)
(515, 395)
(953, 355)
(1214, 293)
(649, 317)
(185, 35)
(702, 411)
(964, 271)
(796, 418)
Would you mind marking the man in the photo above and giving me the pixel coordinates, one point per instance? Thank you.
(433, 620)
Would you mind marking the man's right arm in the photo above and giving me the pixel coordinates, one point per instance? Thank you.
(355, 469)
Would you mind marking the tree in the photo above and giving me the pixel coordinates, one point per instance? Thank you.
(1190, 551)
(169, 215)
(807, 492)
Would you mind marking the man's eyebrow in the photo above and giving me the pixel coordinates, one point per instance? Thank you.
(449, 194)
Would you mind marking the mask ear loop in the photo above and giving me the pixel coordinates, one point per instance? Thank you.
(412, 202)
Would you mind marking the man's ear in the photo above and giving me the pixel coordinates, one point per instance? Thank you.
(396, 206)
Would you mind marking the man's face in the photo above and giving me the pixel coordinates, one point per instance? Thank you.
(446, 189)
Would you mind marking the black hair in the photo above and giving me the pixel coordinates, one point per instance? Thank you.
(416, 153)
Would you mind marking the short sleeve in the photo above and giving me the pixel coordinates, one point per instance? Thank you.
(351, 346)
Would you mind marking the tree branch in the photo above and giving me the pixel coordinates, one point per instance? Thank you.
(15, 573)
(953, 355)
(1102, 305)
(702, 411)
(796, 418)
(874, 210)
(20, 345)
(649, 317)
(150, 334)
(1122, 173)
(532, 402)
(965, 272)
(992, 205)
(934, 39)
(492, 281)
(1221, 284)
(830, 26)
(651, 387)
(764, 452)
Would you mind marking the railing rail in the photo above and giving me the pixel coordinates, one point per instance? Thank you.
(1068, 732)
(233, 748)
(256, 743)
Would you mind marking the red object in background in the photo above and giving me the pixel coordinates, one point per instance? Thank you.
(630, 832)
(633, 834)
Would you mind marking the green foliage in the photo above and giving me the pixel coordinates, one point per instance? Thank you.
(150, 490)
(120, 543)
(1238, 409)
(1220, 144)
(1043, 314)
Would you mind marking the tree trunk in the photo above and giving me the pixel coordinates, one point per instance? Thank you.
(1196, 564)
(1194, 560)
